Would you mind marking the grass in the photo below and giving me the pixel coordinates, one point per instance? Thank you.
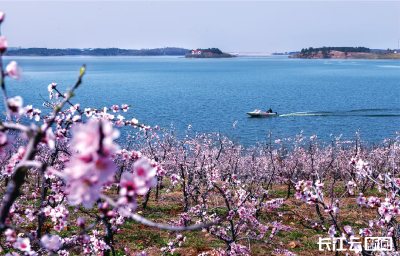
(310, 245)
(294, 235)
(351, 206)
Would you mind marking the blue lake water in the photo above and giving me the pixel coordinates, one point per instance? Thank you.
(318, 97)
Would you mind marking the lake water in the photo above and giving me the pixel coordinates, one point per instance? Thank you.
(319, 97)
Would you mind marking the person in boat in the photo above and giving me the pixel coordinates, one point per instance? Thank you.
(269, 110)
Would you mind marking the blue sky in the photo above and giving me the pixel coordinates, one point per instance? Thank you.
(233, 26)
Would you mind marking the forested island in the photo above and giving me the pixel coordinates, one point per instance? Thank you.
(208, 53)
(174, 51)
(346, 53)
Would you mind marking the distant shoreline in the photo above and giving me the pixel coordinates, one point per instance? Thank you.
(167, 51)
(357, 57)
(346, 53)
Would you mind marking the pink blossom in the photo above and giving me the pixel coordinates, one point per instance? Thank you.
(57, 228)
(91, 167)
(50, 89)
(72, 109)
(51, 86)
(161, 172)
(144, 176)
(30, 214)
(29, 111)
(51, 242)
(332, 208)
(88, 112)
(124, 107)
(76, 118)
(372, 201)
(115, 108)
(298, 195)
(388, 217)
(348, 230)
(319, 185)
(16, 106)
(49, 139)
(332, 231)
(361, 200)
(361, 165)
(351, 184)
(6, 141)
(86, 137)
(134, 121)
(383, 210)
(2, 15)
(365, 232)
(85, 179)
(22, 244)
(396, 211)
(142, 179)
(10, 235)
(13, 71)
(371, 223)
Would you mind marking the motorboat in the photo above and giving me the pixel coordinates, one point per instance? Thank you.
(259, 113)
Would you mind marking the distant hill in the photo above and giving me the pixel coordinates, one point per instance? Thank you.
(174, 51)
(345, 53)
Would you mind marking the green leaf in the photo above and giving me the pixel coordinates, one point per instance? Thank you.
(82, 71)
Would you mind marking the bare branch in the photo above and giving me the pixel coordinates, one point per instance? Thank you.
(149, 223)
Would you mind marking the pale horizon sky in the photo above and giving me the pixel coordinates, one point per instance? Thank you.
(232, 26)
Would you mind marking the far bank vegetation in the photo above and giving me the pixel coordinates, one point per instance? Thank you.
(345, 53)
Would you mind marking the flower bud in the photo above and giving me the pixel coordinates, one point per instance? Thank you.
(1, 16)
(80, 222)
(3, 44)
(110, 214)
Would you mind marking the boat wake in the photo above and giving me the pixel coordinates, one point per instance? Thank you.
(356, 112)
(389, 66)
